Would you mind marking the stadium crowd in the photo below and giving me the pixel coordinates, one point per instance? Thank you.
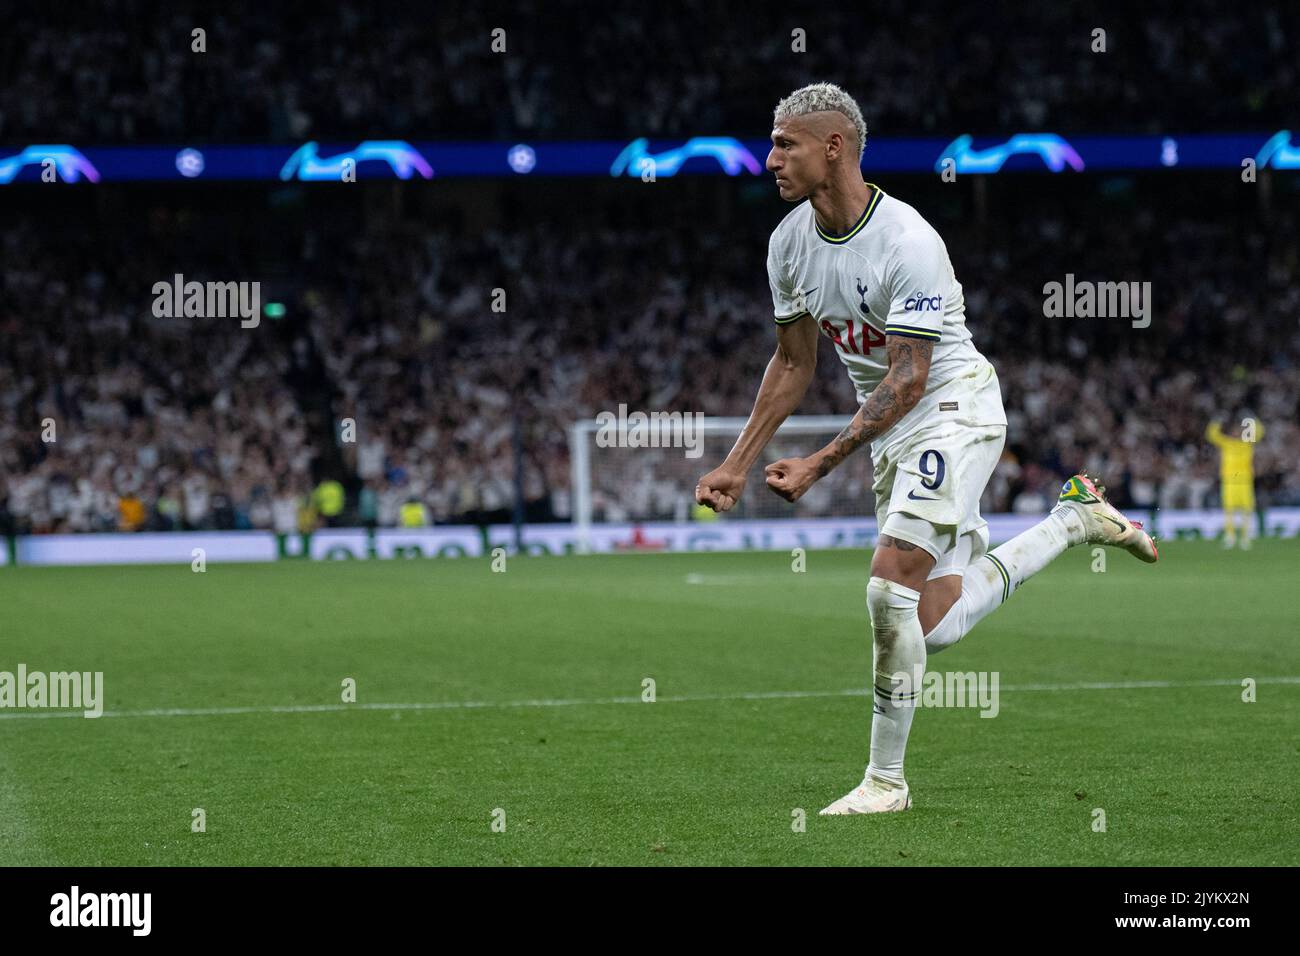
(111, 418)
(128, 71)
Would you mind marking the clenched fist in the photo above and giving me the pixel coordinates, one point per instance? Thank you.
(720, 489)
(791, 477)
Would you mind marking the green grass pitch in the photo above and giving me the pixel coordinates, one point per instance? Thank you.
(540, 670)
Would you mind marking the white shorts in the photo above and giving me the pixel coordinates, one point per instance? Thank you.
(928, 491)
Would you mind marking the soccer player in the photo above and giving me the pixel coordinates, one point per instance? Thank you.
(1236, 482)
(868, 272)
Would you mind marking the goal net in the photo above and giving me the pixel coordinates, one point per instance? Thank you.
(620, 476)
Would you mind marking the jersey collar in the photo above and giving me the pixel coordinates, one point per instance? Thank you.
(876, 193)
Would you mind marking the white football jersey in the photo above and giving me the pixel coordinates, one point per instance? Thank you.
(889, 274)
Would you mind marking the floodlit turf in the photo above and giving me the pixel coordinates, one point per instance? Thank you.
(539, 656)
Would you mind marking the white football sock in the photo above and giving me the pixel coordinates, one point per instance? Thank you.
(992, 578)
(981, 592)
(899, 649)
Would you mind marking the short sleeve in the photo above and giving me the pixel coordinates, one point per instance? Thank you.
(785, 307)
(920, 279)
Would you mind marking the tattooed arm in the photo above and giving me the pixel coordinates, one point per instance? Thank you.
(895, 396)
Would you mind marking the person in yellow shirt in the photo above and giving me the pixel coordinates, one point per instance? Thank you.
(413, 514)
(1237, 478)
(306, 514)
(329, 499)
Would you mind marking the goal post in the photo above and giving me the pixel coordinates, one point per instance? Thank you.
(627, 474)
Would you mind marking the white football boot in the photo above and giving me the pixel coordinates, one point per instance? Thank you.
(871, 796)
(1104, 523)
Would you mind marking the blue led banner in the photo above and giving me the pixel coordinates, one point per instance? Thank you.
(640, 158)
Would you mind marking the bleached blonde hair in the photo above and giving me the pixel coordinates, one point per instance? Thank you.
(823, 97)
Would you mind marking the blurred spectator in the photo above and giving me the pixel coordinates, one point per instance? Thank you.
(131, 509)
(414, 514)
(329, 499)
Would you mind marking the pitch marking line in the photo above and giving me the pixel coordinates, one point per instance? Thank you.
(590, 701)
